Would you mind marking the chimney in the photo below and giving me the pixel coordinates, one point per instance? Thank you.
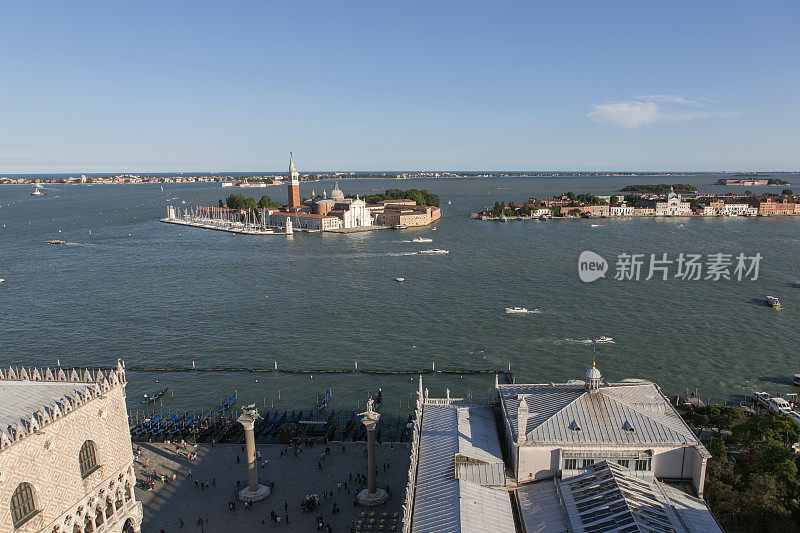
(522, 421)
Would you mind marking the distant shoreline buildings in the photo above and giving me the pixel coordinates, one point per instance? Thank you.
(645, 204)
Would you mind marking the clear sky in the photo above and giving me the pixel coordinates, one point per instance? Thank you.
(216, 86)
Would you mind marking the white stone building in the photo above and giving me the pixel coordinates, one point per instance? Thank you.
(621, 210)
(66, 461)
(672, 206)
(567, 427)
(737, 209)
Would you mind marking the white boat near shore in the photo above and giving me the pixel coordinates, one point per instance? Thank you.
(421, 239)
(603, 340)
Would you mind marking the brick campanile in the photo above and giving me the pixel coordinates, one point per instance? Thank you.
(294, 185)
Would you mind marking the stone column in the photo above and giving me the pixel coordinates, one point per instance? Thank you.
(253, 492)
(250, 451)
(371, 467)
(372, 495)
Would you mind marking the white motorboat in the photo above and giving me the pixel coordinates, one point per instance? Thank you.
(1, 280)
(433, 251)
(796, 379)
(400, 280)
(603, 340)
(772, 301)
(36, 191)
(421, 239)
(518, 310)
(55, 241)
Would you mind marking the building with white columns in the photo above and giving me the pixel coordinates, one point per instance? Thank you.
(66, 461)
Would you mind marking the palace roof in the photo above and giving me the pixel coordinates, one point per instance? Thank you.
(30, 399)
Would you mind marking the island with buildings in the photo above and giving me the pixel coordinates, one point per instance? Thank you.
(321, 213)
(645, 201)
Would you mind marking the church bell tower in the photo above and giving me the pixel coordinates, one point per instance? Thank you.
(294, 185)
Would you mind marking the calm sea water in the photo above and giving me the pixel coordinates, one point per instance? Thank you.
(158, 295)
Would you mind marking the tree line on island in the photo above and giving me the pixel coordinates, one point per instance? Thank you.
(238, 201)
(421, 197)
(752, 482)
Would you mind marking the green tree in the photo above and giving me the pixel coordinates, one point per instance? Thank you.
(787, 192)
(748, 192)
(266, 201)
(497, 210)
(717, 447)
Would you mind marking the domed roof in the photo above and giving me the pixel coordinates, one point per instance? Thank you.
(336, 194)
(593, 374)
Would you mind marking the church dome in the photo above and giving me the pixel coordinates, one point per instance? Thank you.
(593, 374)
(336, 194)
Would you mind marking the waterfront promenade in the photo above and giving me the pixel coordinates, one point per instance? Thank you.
(294, 478)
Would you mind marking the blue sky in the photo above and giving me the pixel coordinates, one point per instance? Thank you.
(215, 86)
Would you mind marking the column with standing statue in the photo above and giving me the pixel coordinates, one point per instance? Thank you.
(372, 495)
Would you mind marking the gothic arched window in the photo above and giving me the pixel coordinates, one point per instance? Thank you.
(87, 458)
(23, 504)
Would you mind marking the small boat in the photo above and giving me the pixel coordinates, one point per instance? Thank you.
(503, 218)
(542, 217)
(378, 400)
(517, 310)
(400, 226)
(55, 241)
(449, 202)
(433, 228)
(421, 239)
(595, 225)
(433, 251)
(796, 379)
(603, 340)
(400, 280)
(772, 301)
(148, 399)
(324, 402)
(2, 280)
(36, 191)
(229, 402)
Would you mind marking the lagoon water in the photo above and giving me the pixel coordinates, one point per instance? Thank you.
(157, 295)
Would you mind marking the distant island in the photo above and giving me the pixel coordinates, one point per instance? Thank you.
(753, 182)
(660, 188)
(644, 201)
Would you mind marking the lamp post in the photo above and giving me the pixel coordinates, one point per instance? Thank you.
(253, 492)
(372, 495)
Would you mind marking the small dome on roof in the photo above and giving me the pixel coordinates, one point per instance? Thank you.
(336, 194)
(593, 373)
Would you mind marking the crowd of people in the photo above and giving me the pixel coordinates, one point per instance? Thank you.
(319, 505)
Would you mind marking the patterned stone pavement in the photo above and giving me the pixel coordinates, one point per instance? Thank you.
(293, 478)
